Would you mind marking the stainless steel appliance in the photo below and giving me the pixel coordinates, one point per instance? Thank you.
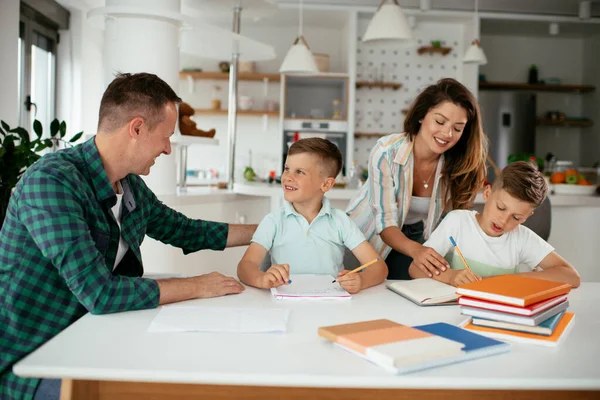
(334, 131)
(509, 120)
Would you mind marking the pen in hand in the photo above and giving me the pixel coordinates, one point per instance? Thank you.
(359, 268)
(459, 253)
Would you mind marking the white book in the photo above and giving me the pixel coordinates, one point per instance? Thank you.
(515, 319)
(311, 287)
(425, 291)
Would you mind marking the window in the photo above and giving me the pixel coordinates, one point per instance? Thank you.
(38, 39)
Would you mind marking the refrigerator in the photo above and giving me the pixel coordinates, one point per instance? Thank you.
(509, 120)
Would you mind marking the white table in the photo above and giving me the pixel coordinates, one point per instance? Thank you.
(106, 356)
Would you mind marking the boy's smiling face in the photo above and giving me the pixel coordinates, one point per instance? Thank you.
(303, 178)
(502, 212)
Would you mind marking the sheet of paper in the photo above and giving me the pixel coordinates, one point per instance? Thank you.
(182, 318)
(310, 286)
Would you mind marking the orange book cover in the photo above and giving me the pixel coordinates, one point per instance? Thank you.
(517, 290)
(523, 337)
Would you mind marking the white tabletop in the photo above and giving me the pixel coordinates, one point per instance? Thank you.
(118, 347)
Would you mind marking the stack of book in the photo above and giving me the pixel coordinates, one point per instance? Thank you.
(518, 308)
(403, 349)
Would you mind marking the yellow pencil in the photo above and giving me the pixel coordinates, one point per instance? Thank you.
(460, 254)
(360, 268)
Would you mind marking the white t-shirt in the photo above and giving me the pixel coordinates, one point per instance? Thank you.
(116, 210)
(487, 255)
(419, 207)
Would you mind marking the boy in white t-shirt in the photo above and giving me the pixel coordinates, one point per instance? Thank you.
(495, 242)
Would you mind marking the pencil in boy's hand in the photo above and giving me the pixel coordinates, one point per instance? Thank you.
(360, 268)
(460, 254)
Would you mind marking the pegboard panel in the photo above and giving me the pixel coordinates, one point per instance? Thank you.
(381, 110)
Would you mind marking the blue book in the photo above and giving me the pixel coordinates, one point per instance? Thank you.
(546, 328)
(475, 345)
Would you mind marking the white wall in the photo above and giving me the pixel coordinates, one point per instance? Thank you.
(9, 35)
(509, 59)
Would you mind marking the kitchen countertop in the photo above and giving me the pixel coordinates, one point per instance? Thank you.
(246, 190)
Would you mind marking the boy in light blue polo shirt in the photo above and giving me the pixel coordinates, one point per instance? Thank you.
(307, 236)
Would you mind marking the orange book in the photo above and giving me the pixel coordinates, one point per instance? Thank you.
(517, 290)
(523, 337)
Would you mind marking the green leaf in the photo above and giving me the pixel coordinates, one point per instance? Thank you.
(63, 129)
(5, 126)
(76, 137)
(2, 151)
(23, 134)
(48, 143)
(37, 128)
(54, 127)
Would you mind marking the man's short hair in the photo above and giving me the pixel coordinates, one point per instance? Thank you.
(523, 181)
(134, 95)
(331, 157)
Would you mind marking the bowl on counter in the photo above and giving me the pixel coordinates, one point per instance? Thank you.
(578, 190)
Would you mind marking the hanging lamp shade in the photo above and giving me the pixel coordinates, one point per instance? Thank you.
(299, 59)
(475, 54)
(388, 23)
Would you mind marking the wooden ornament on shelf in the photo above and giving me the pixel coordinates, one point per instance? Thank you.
(382, 85)
(188, 127)
(433, 49)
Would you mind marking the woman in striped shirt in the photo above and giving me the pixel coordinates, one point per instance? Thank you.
(436, 165)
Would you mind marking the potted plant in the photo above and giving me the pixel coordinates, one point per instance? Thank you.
(18, 151)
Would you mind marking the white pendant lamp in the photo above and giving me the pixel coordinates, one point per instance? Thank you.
(388, 23)
(475, 54)
(299, 59)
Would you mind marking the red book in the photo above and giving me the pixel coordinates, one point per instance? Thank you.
(531, 310)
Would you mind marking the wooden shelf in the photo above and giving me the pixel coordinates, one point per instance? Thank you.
(186, 140)
(314, 119)
(536, 87)
(242, 76)
(208, 111)
(382, 85)
(430, 49)
(369, 135)
(567, 123)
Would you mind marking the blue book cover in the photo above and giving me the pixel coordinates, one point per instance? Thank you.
(546, 328)
(476, 346)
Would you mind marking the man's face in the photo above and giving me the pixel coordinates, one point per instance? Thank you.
(151, 144)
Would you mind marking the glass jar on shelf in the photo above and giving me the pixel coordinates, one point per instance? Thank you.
(215, 102)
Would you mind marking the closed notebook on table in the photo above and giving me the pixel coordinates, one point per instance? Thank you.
(513, 289)
(425, 291)
(403, 349)
(546, 328)
(560, 332)
(527, 311)
(515, 319)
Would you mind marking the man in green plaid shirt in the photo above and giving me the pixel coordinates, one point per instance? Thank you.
(71, 239)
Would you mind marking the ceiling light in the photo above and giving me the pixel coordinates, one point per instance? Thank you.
(299, 59)
(388, 23)
(475, 54)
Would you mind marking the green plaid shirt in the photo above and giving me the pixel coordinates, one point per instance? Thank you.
(58, 246)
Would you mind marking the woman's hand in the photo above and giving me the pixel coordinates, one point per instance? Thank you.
(429, 261)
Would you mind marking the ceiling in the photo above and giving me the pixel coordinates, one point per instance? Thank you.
(550, 7)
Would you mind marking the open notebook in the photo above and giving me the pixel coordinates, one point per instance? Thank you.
(425, 291)
(311, 287)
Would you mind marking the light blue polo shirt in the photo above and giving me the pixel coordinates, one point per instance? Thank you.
(316, 248)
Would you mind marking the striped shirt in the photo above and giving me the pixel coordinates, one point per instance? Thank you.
(384, 199)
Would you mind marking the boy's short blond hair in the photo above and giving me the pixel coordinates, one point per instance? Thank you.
(330, 155)
(523, 181)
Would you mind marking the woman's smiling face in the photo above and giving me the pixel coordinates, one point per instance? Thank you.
(443, 126)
